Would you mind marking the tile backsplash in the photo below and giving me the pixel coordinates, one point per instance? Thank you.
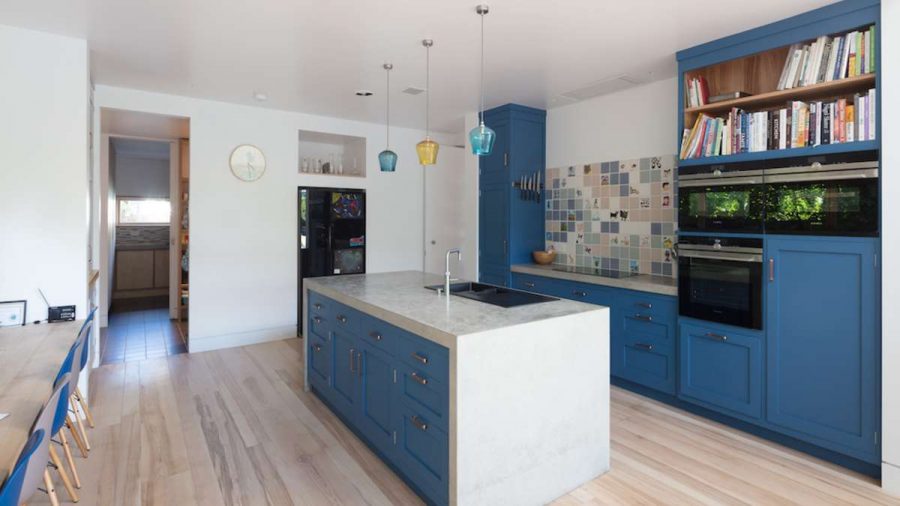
(617, 215)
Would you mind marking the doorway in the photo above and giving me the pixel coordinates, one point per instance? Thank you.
(144, 236)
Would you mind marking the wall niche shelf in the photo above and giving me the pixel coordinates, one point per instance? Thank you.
(328, 154)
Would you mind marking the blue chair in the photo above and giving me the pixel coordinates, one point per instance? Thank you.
(50, 421)
(81, 357)
(11, 489)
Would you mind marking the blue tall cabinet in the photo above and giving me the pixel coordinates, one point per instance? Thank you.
(510, 227)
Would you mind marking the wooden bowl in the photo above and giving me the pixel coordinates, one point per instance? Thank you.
(543, 257)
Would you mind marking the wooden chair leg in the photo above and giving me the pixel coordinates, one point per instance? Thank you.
(54, 457)
(67, 450)
(84, 407)
(51, 491)
(76, 436)
(84, 436)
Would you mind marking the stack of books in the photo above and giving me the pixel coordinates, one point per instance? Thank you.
(697, 92)
(829, 59)
(801, 124)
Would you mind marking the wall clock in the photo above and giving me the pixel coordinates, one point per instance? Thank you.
(248, 163)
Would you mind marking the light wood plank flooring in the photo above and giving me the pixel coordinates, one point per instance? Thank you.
(235, 427)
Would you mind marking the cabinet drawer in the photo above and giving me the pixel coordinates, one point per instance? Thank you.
(346, 318)
(721, 369)
(379, 334)
(424, 454)
(534, 284)
(319, 324)
(319, 305)
(426, 393)
(424, 356)
(645, 305)
(645, 362)
(646, 327)
(319, 350)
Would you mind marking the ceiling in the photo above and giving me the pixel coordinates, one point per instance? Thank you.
(312, 56)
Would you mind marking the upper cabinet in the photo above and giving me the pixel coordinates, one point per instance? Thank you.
(807, 85)
(511, 220)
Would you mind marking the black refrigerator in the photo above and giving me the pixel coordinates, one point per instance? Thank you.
(331, 237)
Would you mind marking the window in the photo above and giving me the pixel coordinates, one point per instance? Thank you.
(143, 211)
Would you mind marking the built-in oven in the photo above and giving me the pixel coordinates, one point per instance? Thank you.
(721, 280)
(823, 199)
(719, 199)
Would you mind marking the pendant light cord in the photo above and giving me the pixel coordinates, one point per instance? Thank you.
(427, 89)
(388, 111)
(482, 70)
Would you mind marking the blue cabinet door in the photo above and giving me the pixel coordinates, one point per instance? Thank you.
(345, 374)
(822, 311)
(493, 168)
(721, 369)
(493, 234)
(375, 402)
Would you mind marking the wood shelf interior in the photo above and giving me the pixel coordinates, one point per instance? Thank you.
(346, 150)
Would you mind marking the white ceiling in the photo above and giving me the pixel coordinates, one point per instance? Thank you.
(311, 56)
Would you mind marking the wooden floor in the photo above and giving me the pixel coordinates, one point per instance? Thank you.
(235, 427)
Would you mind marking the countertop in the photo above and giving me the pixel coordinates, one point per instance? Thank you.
(30, 358)
(662, 285)
(400, 298)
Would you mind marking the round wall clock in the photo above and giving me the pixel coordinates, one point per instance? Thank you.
(248, 163)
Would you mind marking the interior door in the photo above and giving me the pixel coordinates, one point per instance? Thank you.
(450, 216)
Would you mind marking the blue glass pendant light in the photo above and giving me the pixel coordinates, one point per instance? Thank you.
(387, 159)
(481, 137)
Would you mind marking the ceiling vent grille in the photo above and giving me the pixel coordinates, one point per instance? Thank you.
(603, 87)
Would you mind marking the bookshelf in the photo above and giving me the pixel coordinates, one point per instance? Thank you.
(752, 62)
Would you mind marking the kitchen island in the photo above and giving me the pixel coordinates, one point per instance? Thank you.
(469, 402)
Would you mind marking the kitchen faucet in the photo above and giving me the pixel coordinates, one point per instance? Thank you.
(447, 269)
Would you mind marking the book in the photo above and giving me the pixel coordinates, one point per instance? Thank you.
(785, 70)
(824, 59)
(792, 70)
(826, 124)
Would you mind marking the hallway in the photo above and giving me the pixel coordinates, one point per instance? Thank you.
(140, 329)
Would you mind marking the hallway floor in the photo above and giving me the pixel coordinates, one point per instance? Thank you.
(140, 329)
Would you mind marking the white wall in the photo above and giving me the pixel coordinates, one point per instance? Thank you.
(632, 123)
(243, 235)
(890, 244)
(142, 177)
(44, 180)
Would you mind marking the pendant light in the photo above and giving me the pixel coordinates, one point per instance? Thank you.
(427, 149)
(481, 137)
(387, 159)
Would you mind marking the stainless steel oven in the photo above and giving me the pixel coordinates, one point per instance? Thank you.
(721, 280)
(719, 199)
(823, 199)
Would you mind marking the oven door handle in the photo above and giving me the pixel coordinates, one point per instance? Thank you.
(724, 181)
(724, 255)
(823, 176)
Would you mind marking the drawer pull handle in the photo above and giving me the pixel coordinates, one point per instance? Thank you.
(418, 379)
(352, 353)
(375, 335)
(529, 284)
(644, 346)
(644, 317)
(645, 305)
(317, 348)
(717, 337)
(579, 293)
(418, 357)
(317, 319)
(422, 426)
(317, 305)
(341, 318)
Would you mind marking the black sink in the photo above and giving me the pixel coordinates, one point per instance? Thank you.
(491, 294)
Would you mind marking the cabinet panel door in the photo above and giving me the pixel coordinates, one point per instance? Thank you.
(344, 370)
(134, 269)
(319, 358)
(161, 268)
(722, 369)
(493, 233)
(493, 168)
(822, 348)
(375, 402)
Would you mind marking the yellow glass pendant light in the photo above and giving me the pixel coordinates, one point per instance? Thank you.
(427, 149)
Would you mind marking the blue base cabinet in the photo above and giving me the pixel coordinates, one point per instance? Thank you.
(721, 368)
(389, 386)
(510, 227)
(823, 349)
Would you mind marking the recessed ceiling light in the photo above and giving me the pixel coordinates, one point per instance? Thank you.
(260, 96)
(363, 93)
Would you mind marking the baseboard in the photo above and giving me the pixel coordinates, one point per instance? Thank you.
(890, 478)
(196, 344)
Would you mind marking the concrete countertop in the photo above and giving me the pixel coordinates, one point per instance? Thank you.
(662, 285)
(400, 298)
